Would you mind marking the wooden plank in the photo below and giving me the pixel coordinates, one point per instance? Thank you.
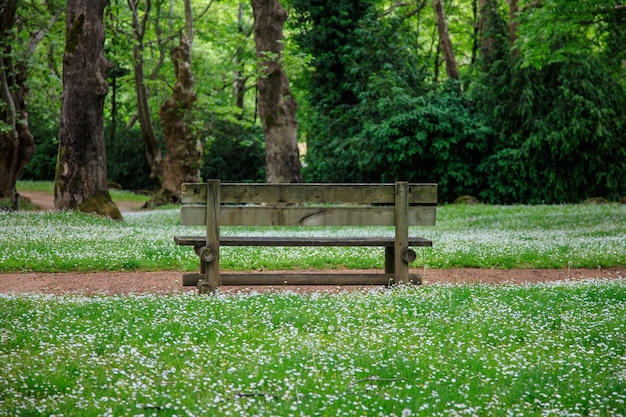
(310, 193)
(212, 221)
(300, 241)
(401, 268)
(283, 279)
(194, 215)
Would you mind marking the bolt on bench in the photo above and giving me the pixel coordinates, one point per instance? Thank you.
(213, 204)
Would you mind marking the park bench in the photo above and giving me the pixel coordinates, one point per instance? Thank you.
(213, 204)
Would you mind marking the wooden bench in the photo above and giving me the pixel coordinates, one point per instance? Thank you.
(215, 205)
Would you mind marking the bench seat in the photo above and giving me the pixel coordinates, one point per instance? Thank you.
(299, 241)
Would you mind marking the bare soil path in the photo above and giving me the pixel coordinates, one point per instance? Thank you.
(163, 282)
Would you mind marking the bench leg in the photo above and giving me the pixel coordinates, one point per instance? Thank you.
(390, 266)
(212, 267)
(401, 242)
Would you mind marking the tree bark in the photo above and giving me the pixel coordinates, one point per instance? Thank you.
(151, 145)
(513, 25)
(17, 145)
(81, 177)
(277, 106)
(488, 30)
(239, 79)
(452, 69)
(184, 152)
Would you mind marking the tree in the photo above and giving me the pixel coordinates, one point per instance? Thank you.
(81, 177)
(17, 145)
(184, 152)
(452, 69)
(277, 106)
(555, 102)
(151, 144)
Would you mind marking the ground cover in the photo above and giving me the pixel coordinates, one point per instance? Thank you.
(542, 349)
(444, 350)
(574, 236)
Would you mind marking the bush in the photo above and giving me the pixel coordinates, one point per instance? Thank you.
(42, 166)
(126, 159)
(563, 139)
(234, 152)
(433, 138)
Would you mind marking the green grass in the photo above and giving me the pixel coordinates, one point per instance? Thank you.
(536, 350)
(577, 236)
(470, 350)
(48, 187)
(40, 186)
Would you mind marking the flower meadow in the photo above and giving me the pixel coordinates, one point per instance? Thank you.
(470, 350)
(577, 236)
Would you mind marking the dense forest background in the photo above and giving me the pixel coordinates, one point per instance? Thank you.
(512, 101)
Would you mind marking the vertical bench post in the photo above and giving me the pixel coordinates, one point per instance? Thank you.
(213, 201)
(401, 267)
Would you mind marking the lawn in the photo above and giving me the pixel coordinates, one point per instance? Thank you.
(471, 350)
(577, 236)
(443, 350)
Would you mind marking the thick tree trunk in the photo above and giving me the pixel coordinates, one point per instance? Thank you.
(17, 145)
(444, 40)
(151, 145)
(277, 106)
(184, 153)
(81, 177)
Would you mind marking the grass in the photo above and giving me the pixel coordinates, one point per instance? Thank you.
(470, 350)
(577, 236)
(540, 350)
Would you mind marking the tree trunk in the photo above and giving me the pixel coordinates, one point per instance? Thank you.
(488, 31)
(513, 21)
(81, 177)
(239, 79)
(277, 106)
(444, 40)
(184, 152)
(17, 145)
(151, 145)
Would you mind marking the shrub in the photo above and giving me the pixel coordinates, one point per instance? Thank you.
(126, 159)
(234, 152)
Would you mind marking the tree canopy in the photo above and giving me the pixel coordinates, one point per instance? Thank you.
(537, 114)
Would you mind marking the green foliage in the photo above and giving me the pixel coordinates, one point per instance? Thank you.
(559, 124)
(126, 161)
(42, 166)
(234, 152)
(542, 124)
(330, 31)
(434, 137)
(573, 144)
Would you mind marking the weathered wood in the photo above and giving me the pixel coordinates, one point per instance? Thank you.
(307, 216)
(299, 241)
(283, 279)
(214, 205)
(390, 266)
(424, 194)
(401, 208)
(212, 269)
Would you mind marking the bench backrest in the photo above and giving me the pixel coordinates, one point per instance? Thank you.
(309, 204)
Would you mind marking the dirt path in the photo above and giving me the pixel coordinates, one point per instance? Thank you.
(170, 281)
